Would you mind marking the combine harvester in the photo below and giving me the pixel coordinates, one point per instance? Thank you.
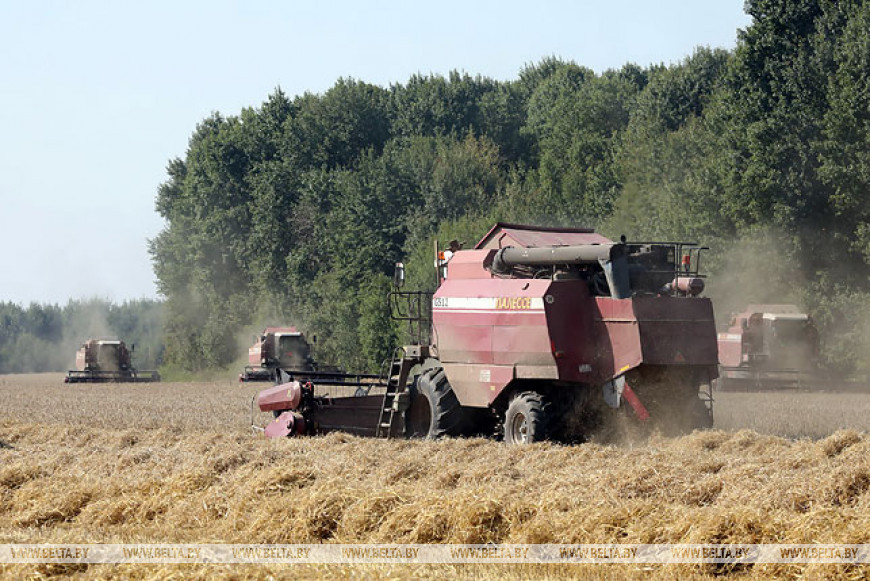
(277, 347)
(536, 333)
(768, 348)
(107, 360)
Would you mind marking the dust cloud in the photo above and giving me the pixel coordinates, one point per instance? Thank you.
(759, 268)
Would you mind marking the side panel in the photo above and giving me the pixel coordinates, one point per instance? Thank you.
(477, 385)
(492, 331)
(81, 359)
(596, 339)
(676, 331)
(522, 339)
(576, 348)
(254, 356)
(617, 335)
(464, 338)
(730, 349)
(485, 327)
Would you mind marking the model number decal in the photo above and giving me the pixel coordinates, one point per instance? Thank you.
(483, 304)
(513, 303)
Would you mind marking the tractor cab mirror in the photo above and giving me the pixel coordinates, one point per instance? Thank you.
(399, 275)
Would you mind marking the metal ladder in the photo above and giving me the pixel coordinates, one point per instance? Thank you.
(397, 378)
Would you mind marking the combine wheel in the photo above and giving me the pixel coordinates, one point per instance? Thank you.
(527, 419)
(434, 412)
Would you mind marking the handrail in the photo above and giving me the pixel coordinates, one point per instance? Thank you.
(415, 308)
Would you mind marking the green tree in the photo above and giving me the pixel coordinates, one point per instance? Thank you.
(576, 118)
(376, 330)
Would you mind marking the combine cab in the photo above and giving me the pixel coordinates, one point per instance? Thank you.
(277, 347)
(536, 333)
(107, 360)
(768, 347)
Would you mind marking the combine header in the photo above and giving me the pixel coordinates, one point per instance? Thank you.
(768, 347)
(536, 333)
(107, 360)
(277, 347)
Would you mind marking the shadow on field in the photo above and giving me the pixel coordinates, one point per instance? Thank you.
(4, 445)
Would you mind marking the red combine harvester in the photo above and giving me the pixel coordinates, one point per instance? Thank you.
(768, 347)
(277, 347)
(536, 333)
(107, 360)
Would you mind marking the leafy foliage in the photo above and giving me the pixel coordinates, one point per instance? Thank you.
(296, 211)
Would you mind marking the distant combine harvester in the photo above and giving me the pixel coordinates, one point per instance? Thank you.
(107, 360)
(277, 347)
(770, 347)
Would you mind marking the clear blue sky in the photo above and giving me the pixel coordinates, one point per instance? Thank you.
(96, 97)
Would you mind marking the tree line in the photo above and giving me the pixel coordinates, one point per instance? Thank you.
(296, 210)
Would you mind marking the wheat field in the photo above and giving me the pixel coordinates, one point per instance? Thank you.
(177, 462)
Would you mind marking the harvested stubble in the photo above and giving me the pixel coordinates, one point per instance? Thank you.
(64, 481)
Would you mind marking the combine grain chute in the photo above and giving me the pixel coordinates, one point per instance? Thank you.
(535, 333)
(107, 360)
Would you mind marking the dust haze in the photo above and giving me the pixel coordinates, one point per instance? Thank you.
(763, 267)
(757, 268)
(87, 322)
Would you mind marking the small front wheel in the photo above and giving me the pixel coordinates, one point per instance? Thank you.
(527, 419)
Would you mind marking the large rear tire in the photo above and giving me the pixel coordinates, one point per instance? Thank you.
(434, 411)
(527, 419)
